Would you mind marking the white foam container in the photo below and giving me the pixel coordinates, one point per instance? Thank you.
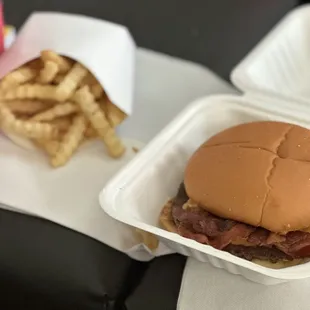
(136, 195)
(280, 64)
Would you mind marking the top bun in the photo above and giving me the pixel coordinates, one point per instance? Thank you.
(257, 173)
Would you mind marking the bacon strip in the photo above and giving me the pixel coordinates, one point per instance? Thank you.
(197, 224)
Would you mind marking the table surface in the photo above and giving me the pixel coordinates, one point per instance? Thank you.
(215, 33)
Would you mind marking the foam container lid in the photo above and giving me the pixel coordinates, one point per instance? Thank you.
(279, 65)
(136, 195)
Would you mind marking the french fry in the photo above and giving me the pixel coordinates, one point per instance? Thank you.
(63, 63)
(71, 82)
(49, 146)
(30, 91)
(90, 132)
(61, 123)
(114, 114)
(58, 79)
(97, 90)
(70, 142)
(95, 87)
(27, 107)
(35, 64)
(48, 72)
(88, 80)
(96, 117)
(17, 77)
(55, 104)
(25, 128)
(62, 109)
(148, 239)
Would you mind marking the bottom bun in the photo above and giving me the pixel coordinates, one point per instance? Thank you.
(166, 221)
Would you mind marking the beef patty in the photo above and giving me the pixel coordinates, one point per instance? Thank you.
(237, 238)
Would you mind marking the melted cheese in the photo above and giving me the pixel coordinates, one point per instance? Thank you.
(241, 241)
(278, 265)
(190, 204)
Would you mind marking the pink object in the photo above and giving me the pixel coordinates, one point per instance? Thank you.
(1, 28)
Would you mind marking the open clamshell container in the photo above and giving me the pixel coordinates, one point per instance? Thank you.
(274, 79)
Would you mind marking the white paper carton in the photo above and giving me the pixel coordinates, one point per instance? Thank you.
(106, 49)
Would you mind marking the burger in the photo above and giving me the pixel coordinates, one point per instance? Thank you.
(246, 191)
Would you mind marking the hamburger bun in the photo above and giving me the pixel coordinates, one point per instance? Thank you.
(256, 173)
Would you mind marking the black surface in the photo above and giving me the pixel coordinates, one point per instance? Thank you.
(160, 286)
(45, 266)
(216, 33)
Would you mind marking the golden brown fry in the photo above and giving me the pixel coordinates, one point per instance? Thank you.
(35, 64)
(63, 63)
(89, 79)
(96, 116)
(48, 72)
(62, 123)
(58, 79)
(27, 107)
(90, 132)
(70, 142)
(71, 82)
(62, 109)
(114, 114)
(148, 239)
(95, 87)
(49, 146)
(97, 90)
(25, 128)
(40, 104)
(30, 91)
(17, 77)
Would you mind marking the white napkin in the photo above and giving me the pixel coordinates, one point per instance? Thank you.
(206, 287)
